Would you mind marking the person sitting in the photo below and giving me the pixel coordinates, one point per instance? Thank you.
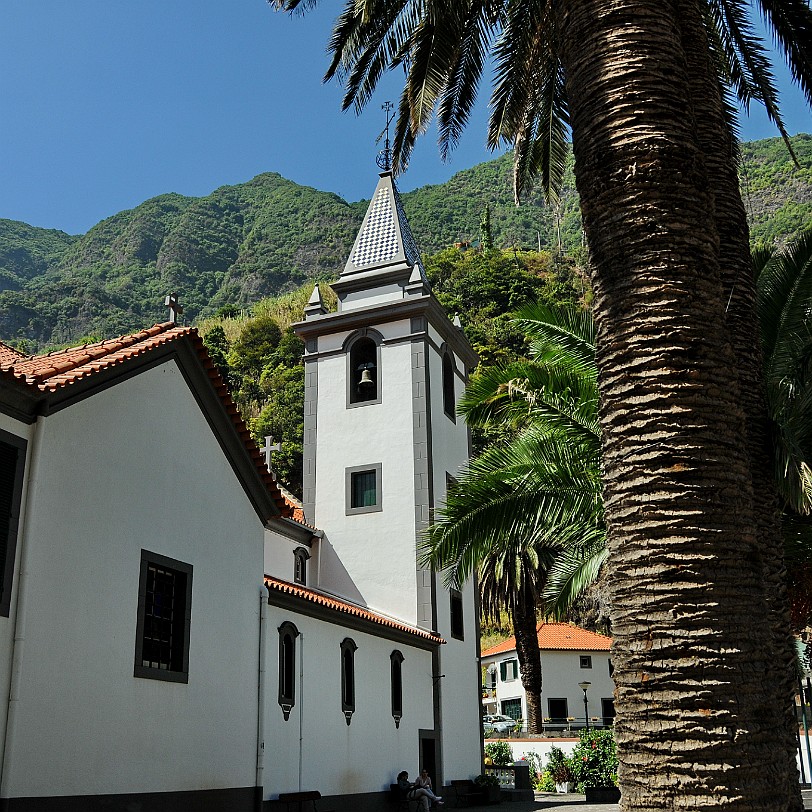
(424, 797)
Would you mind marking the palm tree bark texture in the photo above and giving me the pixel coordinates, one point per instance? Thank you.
(694, 646)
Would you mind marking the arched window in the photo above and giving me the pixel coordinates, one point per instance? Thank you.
(396, 662)
(300, 557)
(287, 667)
(449, 401)
(363, 378)
(348, 649)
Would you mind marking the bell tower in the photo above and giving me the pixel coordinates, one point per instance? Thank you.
(382, 440)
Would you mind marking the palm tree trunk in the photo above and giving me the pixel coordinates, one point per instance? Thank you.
(525, 629)
(688, 609)
(739, 291)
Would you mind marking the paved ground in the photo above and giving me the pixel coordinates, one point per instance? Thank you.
(576, 803)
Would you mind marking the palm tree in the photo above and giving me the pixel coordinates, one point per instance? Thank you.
(520, 503)
(695, 555)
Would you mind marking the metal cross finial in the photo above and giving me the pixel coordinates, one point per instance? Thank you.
(175, 308)
(384, 157)
(269, 449)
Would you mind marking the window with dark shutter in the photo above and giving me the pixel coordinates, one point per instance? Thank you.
(12, 465)
(348, 649)
(164, 619)
(287, 667)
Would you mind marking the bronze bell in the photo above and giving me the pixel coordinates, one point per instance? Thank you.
(366, 379)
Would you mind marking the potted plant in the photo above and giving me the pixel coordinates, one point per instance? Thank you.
(488, 784)
(558, 766)
(594, 763)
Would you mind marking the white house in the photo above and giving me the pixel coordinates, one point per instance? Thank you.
(570, 657)
(177, 634)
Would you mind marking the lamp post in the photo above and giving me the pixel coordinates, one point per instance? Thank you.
(583, 686)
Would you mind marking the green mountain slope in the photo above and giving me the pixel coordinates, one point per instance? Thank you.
(267, 236)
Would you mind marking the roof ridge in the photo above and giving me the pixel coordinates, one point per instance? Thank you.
(346, 606)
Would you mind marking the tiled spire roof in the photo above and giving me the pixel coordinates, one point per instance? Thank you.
(558, 636)
(385, 238)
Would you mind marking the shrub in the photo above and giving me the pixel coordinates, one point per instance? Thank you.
(559, 766)
(594, 760)
(500, 752)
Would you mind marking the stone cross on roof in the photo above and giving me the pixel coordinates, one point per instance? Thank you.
(175, 308)
(269, 448)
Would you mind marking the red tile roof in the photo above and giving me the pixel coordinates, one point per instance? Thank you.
(558, 636)
(342, 606)
(56, 370)
(8, 355)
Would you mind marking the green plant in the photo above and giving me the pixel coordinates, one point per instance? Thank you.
(499, 752)
(486, 780)
(594, 760)
(544, 783)
(559, 766)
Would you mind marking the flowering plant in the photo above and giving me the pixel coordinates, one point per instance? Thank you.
(594, 760)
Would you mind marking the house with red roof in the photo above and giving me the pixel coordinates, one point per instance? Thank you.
(177, 631)
(571, 657)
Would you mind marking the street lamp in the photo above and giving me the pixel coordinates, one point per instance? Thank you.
(583, 686)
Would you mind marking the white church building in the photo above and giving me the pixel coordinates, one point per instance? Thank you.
(176, 633)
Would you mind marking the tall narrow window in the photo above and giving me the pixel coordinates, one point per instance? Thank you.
(164, 619)
(12, 464)
(300, 558)
(457, 627)
(348, 649)
(363, 383)
(396, 668)
(449, 401)
(287, 667)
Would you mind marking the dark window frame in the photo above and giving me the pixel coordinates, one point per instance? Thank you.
(513, 662)
(349, 474)
(396, 682)
(566, 714)
(10, 518)
(585, 660)
(351, 349)
(348, 649)
(286, 696)
(456, 614)
(181, 637)
(301, 555)
(449, 388)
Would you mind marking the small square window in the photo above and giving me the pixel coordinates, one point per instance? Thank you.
(164, 619)
(586, 661)
(363, 484)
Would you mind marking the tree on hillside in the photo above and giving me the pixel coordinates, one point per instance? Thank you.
(649, 136)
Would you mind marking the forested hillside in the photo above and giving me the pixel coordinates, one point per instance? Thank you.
(245, 242)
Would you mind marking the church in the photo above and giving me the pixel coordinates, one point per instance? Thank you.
(176, 631)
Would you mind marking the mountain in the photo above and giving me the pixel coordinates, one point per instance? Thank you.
(244, 242)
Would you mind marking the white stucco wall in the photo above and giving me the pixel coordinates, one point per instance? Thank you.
(279, 558)
(337, 758)
(136, 467)
(561, 673)
(373, 550)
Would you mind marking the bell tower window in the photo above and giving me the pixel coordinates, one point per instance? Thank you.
(449, 401)
(363, 379)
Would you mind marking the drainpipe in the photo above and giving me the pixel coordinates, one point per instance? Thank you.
(24, 546)
(301, 705)
(263, 622)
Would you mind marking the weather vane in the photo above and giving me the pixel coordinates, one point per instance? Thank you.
(384, 157)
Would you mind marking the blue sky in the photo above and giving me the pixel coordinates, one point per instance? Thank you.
(105, 104)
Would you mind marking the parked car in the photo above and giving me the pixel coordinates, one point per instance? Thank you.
(494, 723)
